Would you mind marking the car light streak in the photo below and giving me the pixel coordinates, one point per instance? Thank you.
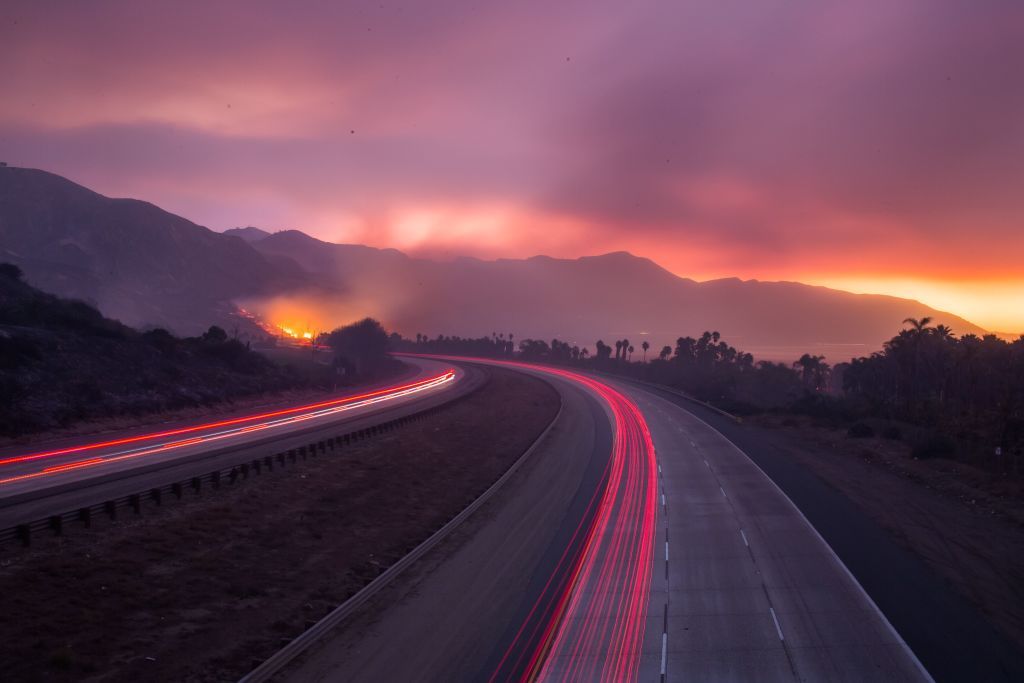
(280, 419)
(588, 623)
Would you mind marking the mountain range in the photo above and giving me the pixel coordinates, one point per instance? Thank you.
(148, 267)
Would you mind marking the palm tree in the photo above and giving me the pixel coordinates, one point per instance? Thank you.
(917, 331)
(813, 371)
(666, 351)
(618, 349)
(630, 353)
(917, 326)
(645, 346)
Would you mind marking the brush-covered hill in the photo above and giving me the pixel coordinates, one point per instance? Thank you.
(62, 362)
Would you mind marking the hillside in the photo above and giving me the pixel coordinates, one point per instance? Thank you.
(134, 261)
(146, 267)
(62, 362)
(581, 300)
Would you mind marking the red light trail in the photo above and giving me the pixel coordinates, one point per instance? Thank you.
(588, 623)
(270, 420)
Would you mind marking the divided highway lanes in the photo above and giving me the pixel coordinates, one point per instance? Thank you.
(737, 586)
(76, 473)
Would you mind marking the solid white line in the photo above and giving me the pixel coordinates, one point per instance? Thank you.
(664, 651)
(776, 620)
(666, 551)
(744, 538)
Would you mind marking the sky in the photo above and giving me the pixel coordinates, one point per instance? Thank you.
(874, 146)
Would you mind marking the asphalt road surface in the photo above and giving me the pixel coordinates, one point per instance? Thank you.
(52, 478)
(638, 543)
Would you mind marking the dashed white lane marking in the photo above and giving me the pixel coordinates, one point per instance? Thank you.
(663, 500)
(776, 620)
(708, 464)
(659, 469)
(664, 652)
(744, 538)
(723, 492)
(666, 551)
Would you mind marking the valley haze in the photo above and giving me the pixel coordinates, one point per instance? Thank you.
(148, 267)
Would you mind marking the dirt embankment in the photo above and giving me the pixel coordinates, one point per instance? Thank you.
(967, 523)
(202, 590)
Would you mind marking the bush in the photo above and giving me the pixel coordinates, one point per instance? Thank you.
(860, 430)
(934, 446)
(892, 432)
(10, 271)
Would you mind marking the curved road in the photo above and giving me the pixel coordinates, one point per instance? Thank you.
(637, 543)
(53, 478)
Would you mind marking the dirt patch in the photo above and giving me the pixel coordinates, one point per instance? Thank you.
(965, 522)
(203, 590)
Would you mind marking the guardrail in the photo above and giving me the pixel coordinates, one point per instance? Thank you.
(55, 525)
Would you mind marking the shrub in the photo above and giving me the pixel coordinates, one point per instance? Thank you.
(860, 430)
(934, 446)
(892, 432)
(10, 271)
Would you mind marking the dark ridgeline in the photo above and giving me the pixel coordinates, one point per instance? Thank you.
(130, 259)
(946, 396)
(147, 267)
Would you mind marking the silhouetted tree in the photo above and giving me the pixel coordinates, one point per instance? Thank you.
(813, 371)
(646, 345)
(215, 335)
(360, 346)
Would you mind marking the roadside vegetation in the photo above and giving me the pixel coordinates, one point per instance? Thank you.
(944, 396)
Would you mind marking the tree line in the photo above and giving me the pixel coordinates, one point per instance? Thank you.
(953, 393)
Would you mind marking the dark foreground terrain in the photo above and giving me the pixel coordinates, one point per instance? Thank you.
(203, 590)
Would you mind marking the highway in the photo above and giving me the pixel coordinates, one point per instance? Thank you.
(44, 479)
(637, 543)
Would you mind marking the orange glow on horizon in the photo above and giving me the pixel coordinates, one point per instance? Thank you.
(997, 306)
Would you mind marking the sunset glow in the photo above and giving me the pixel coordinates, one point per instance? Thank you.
(839, 144)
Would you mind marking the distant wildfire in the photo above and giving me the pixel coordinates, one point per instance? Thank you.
(300, 316)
